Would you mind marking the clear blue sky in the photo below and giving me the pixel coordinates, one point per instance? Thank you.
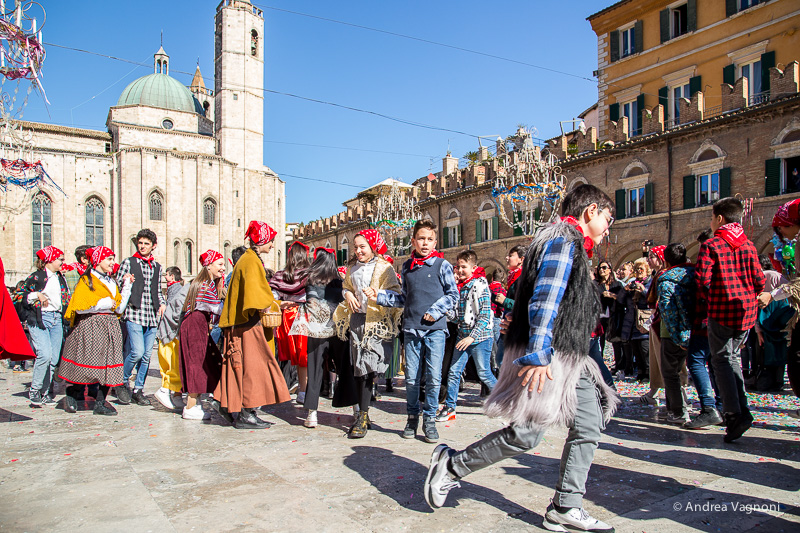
(408, 79)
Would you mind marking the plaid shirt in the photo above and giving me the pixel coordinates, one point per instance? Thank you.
(554, 268)
(481, 331)
(146, 314)
(730, 279)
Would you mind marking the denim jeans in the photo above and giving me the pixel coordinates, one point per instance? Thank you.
(480, 353)
(47, 344)
(596, 354)
(138, 349)
(699, 356)
(424, 356)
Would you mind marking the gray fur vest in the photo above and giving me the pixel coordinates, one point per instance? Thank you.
(578, 316)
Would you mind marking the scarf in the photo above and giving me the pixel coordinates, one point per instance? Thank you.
(171, 283)
(479, 272)
(260, 233)
(658, 251)
(375, 241)
(48, 254)
(209, 256)
(588, 243)
(98, 253)
(513, 275)
(733, 234)
(80, 267)
(419, 261)
(149, 260)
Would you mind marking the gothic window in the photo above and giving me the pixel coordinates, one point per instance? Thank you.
(42, 216)
(209, 211)
(94, 221)
(156, 206)
(254, 43)
(189, 264)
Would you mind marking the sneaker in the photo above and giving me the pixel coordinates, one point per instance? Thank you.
(681, 419)
(311, 419)
(429, 427)
(123, 394)
(737, 425)
(139, 398)
(445, 414)
(18, 369)
(293, 387)
(439, 481)
(48, 400)
(644, 399)
(195, 413)
(573, 518)
(164, 397)
(35, 398)
(707, 417)
(410, 430)
(301, 398)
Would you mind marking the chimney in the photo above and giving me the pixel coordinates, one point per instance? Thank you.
(449, 164)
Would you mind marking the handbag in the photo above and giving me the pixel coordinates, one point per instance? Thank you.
(644, 317)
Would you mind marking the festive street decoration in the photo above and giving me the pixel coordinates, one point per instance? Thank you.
(529, 185)
(395, 215)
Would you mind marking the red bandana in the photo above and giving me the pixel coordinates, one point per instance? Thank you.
(389, 259)
(733, 234)
(788, 215)
(98, 253)
(479, 272)
(419, 261)
(149, 260)
(260, 233)
(329, 250)
(658, 251)
(48, 254)
(512, 277)
(115, 269)
(80, 267)
(300, 244)
(209, 257)
(171, 283)
(588, 243)
(342, 270)
(375, 240)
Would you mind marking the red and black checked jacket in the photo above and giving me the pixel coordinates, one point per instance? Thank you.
(730, 279)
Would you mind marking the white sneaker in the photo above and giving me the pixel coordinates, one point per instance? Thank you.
(301, 398)
(439, 482)
(164, 397)
(311, 419)
(195, 413)
(574, 518)
(648, 400)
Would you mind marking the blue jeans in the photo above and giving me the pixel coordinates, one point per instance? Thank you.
(480, 353)
(424, 354)
(699, 356)
(597, 355)
(138, 349)
(47, 344)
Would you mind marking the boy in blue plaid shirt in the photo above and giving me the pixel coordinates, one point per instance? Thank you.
(475, 329)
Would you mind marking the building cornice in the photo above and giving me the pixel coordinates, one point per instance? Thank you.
(52, 128)
(159, 130)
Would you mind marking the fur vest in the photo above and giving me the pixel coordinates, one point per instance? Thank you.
(577, 317)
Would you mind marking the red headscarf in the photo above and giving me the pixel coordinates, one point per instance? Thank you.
(788, 215)
(97, 254)
(342, 270)
(389, 258)
(658, 251)
(375, 240)
(209, 257)
(260, 233)
(318, 248)
(588, 243)
(48, 254)
(301, 244)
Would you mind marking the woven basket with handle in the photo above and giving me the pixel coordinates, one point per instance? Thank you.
(270, 318)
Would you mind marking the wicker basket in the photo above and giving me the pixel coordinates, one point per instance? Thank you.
(270, 318)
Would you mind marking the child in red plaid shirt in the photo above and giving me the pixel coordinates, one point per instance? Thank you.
(730, 277)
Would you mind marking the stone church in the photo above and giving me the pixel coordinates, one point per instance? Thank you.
(186, 162)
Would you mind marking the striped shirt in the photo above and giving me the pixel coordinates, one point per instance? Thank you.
(208, 300)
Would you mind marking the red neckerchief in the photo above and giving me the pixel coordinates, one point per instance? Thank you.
(149, 260)
(80, 267)
(588, 243)
(512, 277)
(733, 234)
(171, 283)
(417, 261)
(477, 273)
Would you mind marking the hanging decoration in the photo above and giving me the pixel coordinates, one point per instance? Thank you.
(529, 186)
(396, 212)
(784, 255)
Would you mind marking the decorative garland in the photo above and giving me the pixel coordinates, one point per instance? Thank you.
(26, 175)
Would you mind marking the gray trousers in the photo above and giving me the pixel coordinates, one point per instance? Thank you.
(673, 360)
(725, 344)
(576, 457)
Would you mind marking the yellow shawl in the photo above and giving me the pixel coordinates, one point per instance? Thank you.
(248, 293)
(85, 298)
(382, 322)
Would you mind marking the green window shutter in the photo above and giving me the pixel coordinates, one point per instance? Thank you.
(767, 62)
(640, 109)
(638, 38)
(695, 85)
(621, 195)
(344, 257)
(731, 7)
(689, 193)
(339, 261)
(664, 23)
(445, 237)
(518, 219)
(537, 214)
(663, 99)
(614, 46)
(691, 18)
(478, 231)
(729, 74)
(772, 171)
(613, 112)
(725, 182)
(648, 199)
(495, 228)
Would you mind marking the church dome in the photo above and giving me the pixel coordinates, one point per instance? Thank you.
(160, 90)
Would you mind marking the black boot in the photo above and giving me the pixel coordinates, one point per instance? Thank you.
(222, 411)
(359, 429)
(123, 394)
(247, 419)
(70, 404)
(412, 424)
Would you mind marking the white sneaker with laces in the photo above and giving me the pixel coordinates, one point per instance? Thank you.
(311, 419)
(645, 399)
(575, 518)
(195, 413)
(439, 481)
(164, 397)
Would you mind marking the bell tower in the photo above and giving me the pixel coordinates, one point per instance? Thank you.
(239, 83)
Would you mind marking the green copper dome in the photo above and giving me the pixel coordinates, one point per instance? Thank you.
(160, 90)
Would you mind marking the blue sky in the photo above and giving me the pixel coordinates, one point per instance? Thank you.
(403, 78)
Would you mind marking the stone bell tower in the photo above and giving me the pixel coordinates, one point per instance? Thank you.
(239, 83)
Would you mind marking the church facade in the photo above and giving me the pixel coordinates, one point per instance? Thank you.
(186, 162)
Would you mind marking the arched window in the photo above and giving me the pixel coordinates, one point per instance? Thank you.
(226, 253)
(254, 43)
(94, 221)
(156, 206)
(206, 107)
(189, 263)
(209, 211)
(42, 217)
(176, 248)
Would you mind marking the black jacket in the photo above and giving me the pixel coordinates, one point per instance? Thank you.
(32, 313)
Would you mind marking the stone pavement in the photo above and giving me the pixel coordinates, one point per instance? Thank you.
(149, 470)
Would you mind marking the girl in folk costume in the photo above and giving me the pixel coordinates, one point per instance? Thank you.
(43, 298)
(315, 322)
(250, 376)
(372, 327)
(93, 351)
(289, 286)
(14, 344)
(201, 362)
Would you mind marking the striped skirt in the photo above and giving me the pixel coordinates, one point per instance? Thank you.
(93, 352)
